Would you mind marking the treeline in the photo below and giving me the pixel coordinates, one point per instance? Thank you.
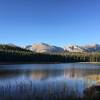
(11, 48)
(17, 54)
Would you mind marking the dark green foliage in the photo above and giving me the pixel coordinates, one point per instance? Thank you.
(17, 54)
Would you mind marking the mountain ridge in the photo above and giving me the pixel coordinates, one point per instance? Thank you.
(44, 47)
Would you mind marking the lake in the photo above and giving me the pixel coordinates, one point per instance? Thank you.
(46, 81)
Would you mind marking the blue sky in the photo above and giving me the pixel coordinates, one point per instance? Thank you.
(57, 22)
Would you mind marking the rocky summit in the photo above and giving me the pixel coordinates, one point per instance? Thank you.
(85, 48)
(43, 47)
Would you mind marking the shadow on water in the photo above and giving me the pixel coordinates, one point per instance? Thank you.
(48, 81)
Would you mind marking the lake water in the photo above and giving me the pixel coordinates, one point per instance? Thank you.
(35, 81)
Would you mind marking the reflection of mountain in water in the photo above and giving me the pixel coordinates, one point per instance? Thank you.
(76, 73)
(43, 80)
(49, 74)
(66, 73)
(44, 74)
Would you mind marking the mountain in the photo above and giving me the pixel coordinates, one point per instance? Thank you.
(85, 48)
(12, 48)
(74, 48)
(28, 47)
(92, 47)
(46, 48)
(12, 45)
(43, 47)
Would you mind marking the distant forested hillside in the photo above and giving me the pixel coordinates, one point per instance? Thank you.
(17, 54)
(11, 48)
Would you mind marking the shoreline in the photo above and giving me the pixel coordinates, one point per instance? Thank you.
(97, 63)
(8, 63)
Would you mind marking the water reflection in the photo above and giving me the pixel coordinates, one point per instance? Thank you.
(48, 80)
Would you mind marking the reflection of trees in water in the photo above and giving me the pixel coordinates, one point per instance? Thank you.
(80, 73)
(9, 74)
